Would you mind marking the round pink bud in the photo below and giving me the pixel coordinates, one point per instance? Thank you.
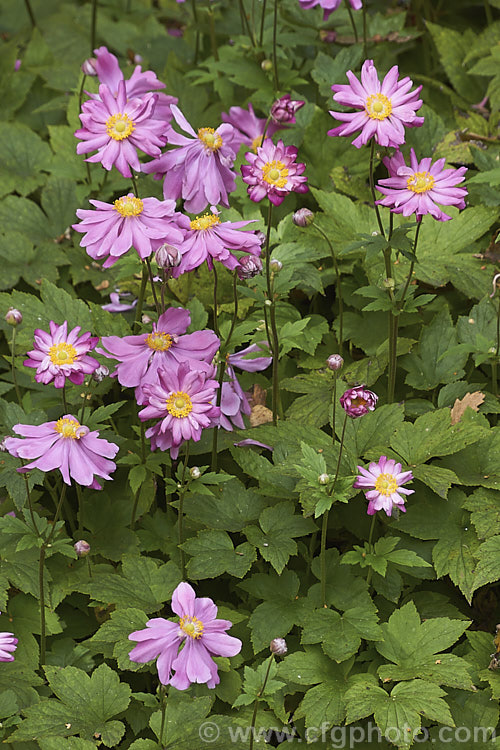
(100, 373)
(249, 267)
(303, 217)
(278, 646)
(275, 265)
(284, 109)
(167, 256)
(358, 401)
(13, 316)
(82, 548)
(89, 67)
(335, 362)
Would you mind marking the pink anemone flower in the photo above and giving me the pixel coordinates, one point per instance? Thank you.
(273, 172)
(329, 6)
(234, 402)
(8, 644)
(249, 129)
(418, 188)
(59, 355)
(199, 634)
(385, 108)
(183, 399)
(358, 401)
(210, 239)
(65, 445)
(113, 228)
(386, 479)
(116, 127)
(108, 70)
(200, 170)
(140, 357)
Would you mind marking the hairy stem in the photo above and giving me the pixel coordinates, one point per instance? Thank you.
(275, 58)
(30, 13)
(13, 362)
(256, 704)
(180, 526)
(338, 283)
(262, 21)
(349, 10)
(140, 301)
(93, 24)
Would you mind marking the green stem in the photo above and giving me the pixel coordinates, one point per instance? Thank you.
(349, 10)
(494, 366)
(30, 504)
(370, 536)
(275, 58)
(80, 507)
(392, 331)
(93, 26)
(13, 362)
(256, 704)
(140, 301)
(41, 577)
(338, 288)
(211, 29)
(372, 188)
(273, 343)
(197, 37)
(245, 20)
(489, 14)
(334, 399)
(181, 512)
(365, 54)
(65, 403)
(30, 13)
(216, 320)
(262, 20)
(163, 715)
(134, 509)
(324, 525)
(151, 281)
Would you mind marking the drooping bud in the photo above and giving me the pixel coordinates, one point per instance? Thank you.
(303, 217)
(324, 478)
(167, 257)
(195, 472)
(82, 548)
(13, 316)
(284, 109)
(335, 362)
(250, 266)
(89, 67)
(100, 373)
(275, 265)
(278, 646)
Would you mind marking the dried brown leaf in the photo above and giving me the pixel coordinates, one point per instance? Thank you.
(260, 415)
(474, 400)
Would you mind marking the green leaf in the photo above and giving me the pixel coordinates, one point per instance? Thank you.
(452, 47)
(231, 509)
(431, 363)
(112, 637)
(83, 705)
(213, 553)
(340, 635)
(108, 524)
(23, 159)
(275, 539)
(183, 720)
(484, 505)
(487, 567)
(478, 464)
(413, 648)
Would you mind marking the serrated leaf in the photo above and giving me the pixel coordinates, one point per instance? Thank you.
(23, 159)
(213, 553)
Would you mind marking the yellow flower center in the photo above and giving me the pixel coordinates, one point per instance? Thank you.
(359, 401)
(210, 138)
(68, 428)
(378, 107)
(420, 182)
(275, 173)
(129, 206)
(191, 626)
(257, 141)
(158, 341)
(386, 484)
(62, 354)
(119, 126)
(205, 222)
(179, 404)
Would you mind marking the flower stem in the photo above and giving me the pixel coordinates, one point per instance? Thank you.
(41, 576)
(13, 362)
(151, 281)
(324, 525)
(339, 289)
(274, 343)
(334, 400)
(30, 504)
(30, 13)
(372, 188)
(370, 536)
(365, 36)
(197, 38)
(65, 403)
(93, 26)
(216, 320)
(349, 10)
(494, 365)
(211, 28)
(140, 301)
(244, 19)
(489, 14)
(275, 58)
(262, 20)
(256, 704)
(163, 703)
(181, 512)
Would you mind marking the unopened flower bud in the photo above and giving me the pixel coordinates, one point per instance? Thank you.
(167, 256)
(13, 316)
(250, 266)
(89, 67)
(17, 65)
(275, 265)
(266, 65)
(261, 237)
(278, 646)
(324, 478)
(100, 373)
(303, 217)
(195, 472)
(137, 59)
(284, 109)
(82, 548)
(3, 447)
(389, 283)
(335, 362)
(146, 319)
(328, 35)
